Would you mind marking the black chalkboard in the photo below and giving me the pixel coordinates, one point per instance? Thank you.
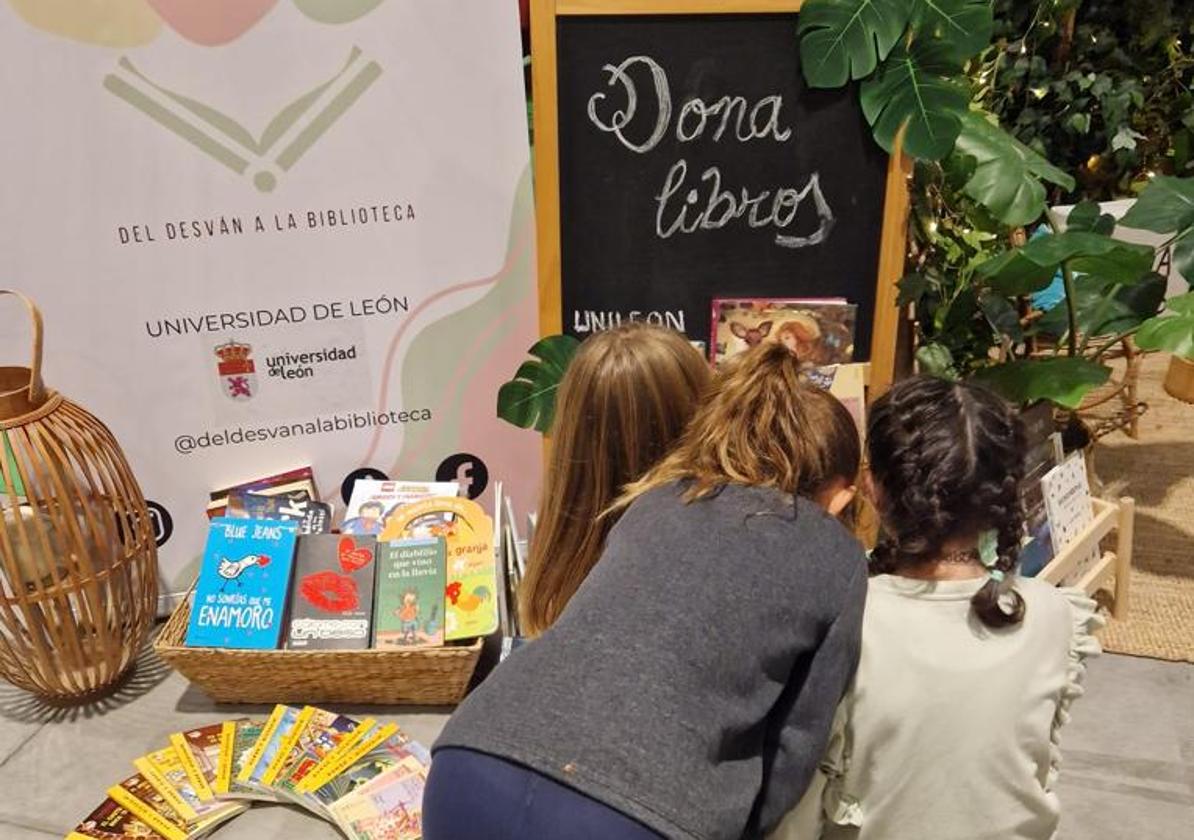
(625, 249)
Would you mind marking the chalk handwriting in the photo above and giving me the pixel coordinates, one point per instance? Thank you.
(729, 117)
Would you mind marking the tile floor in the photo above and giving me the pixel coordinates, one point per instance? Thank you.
(1129, 754)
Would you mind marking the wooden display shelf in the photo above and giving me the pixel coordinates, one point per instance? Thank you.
(1108, 516)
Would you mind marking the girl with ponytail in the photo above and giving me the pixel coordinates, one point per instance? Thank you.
(967, 671)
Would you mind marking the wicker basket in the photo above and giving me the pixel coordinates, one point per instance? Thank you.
(425, 677)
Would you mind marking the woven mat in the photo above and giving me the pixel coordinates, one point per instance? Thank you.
(1158, 471)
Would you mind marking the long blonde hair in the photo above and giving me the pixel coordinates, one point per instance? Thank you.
(763, 425)
(626, 397)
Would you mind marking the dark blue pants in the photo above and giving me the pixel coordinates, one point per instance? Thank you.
(473, 796)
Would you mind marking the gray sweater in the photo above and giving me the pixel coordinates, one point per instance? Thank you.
(692, 680)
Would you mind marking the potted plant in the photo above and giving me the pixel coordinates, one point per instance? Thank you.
(1174, 334)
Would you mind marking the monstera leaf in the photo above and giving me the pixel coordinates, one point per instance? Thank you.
(963, 26)
(529, 399)
(1007, 174)
(1032, 267)
(1104, 307)
(1087, 216)
(915, 90)
(1063, 380)
(1167, 206)
(842, 40)
(1173, 332)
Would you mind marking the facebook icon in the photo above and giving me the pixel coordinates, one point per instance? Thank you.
(467, 470)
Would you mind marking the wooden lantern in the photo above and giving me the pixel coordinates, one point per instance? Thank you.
(78, 562)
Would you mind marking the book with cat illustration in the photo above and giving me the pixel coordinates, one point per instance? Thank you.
(331, 601)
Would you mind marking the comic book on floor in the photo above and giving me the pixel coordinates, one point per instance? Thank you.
(389, 807)
(279, 725)
(165, 771)
(373, 757)
(237, 740)
(320, 739)
(199, 751)
(112, 821)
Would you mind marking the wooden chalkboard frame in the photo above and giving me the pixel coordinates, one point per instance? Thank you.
(547, 168)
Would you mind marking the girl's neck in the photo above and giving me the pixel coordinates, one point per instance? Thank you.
(957, 560)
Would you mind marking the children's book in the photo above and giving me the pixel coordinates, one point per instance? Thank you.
(349, 751)
(371, 757)
(298, 481)
(279, 725)
(319, 740)
(113, 821)
(820, 331)
(373, 764)
(312, 517)
(238, 738)
(390, 806)
(848, 384)
(240, 597)
(286, 745)
(505, 619)
(471, 593)
(267, 483)
(1043, 452)
(146, 804)
(199, 751)
(373, 501)
(164, 770)
(331, 600)
(410, 594)
(1068, 503)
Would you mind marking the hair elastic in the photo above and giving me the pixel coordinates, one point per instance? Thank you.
(996, 575)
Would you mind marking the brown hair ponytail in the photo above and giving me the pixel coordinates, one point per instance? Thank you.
(947, 459)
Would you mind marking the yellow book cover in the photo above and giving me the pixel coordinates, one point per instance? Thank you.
(112, 820)
(163, 770)
(143, 802)
(470, 607)
(312, 760)
(320, 736)
(224, 769)
(263, 740)
(286, 745)
(194, 774)
(341, 760)
(199, 750)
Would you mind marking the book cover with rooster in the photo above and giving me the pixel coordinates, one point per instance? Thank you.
(410, 594)
(240, 597)
(331, 600)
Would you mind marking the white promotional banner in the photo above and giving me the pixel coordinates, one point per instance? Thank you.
(268, 234)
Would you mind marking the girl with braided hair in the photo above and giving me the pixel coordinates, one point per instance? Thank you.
(967, 672)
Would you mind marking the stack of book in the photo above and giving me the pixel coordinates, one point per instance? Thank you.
(414, 566)
(365, 777)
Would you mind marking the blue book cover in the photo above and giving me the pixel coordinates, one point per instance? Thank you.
(240, 599)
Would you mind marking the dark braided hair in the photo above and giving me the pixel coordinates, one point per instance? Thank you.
(947, 459)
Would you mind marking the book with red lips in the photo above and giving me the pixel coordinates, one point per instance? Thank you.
(331, 598)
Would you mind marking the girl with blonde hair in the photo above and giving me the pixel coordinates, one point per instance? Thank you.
(688, 689)
(626, 397)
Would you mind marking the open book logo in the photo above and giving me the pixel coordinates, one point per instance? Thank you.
(262, 158)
